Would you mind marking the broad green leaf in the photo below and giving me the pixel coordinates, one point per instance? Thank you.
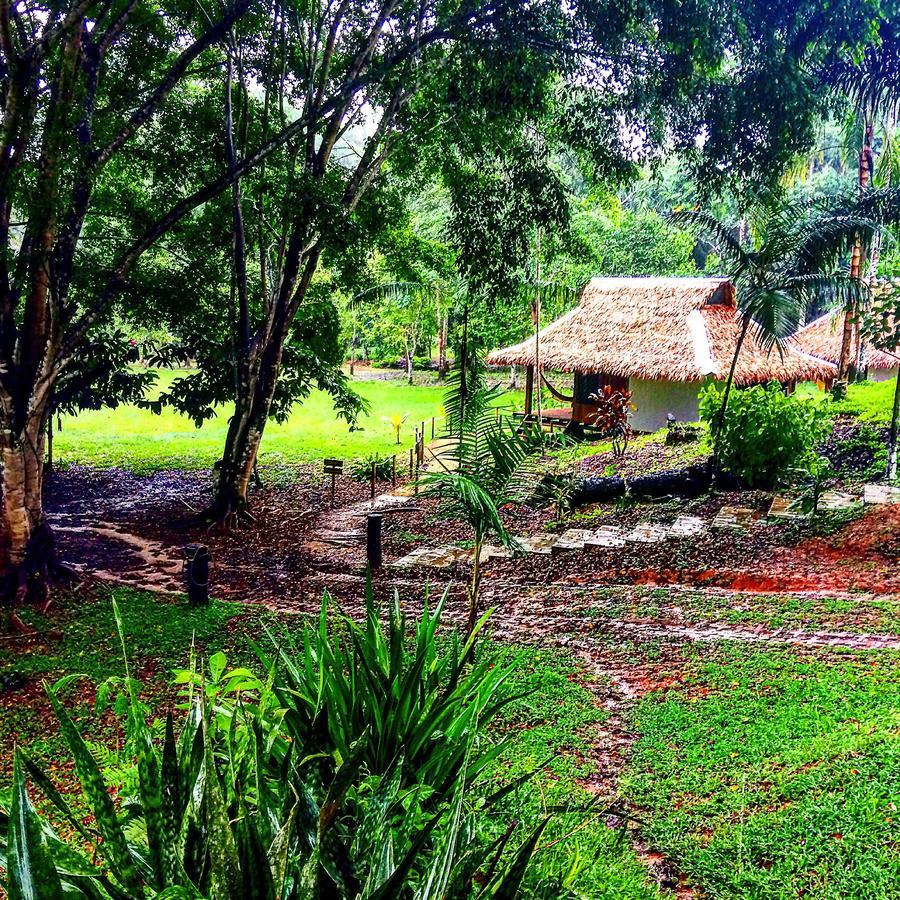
(114, 846)
(31, 874)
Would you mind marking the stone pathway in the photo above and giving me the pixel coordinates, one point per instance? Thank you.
(881, 494)
(729, 518)
(344, 526)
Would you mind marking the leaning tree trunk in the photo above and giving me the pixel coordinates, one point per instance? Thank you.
(258, 380)
(719, 422)
(846, 366)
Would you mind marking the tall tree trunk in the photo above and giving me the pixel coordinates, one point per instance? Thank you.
(257, 382)
(443, 328)
(846, 365)
(26, 542)
(720, 416)
(895, 434)
(258, 374)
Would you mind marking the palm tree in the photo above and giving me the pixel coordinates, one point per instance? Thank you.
(491, 464)
(872, 85)
(797, 256)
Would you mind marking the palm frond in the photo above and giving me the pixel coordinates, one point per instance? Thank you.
(465, 497)
(871, 83)
(829, 291)
(775, 314)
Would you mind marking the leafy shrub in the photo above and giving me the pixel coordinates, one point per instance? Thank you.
(351, 768)
(765, 433)
(361, 469)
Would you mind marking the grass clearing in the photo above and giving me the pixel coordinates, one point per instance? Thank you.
(138, 440)
(869, 401)
(773, 775)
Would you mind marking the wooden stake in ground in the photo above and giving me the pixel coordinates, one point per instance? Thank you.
(333, 467)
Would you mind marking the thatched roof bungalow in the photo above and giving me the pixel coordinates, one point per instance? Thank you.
(822, 338)
(659, 338)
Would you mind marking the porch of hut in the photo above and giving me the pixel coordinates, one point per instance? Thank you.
(580, 410)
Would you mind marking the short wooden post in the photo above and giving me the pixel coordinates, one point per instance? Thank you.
(373, 540)
(197, 574)
(432, 427)
(394, 470)
(374, 469)
(410, 462)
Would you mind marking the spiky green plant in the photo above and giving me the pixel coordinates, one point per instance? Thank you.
(493, 463)
(349, 770)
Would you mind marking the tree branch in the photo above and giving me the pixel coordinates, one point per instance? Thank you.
(147, 109)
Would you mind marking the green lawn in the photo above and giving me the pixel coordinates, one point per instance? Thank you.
(870, 401)
(137, 439)
(776, 776)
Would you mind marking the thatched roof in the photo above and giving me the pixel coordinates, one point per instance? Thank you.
(667, 329)
(822, 338)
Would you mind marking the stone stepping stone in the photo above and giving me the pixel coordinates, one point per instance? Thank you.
(647, 533)
(342, 538)
(736, 517)
(412, 558)
(538, 543)
(572, 539)
(435, 557)
(687, 526)
(606, 536)
(783, 508)
(388, 501)
(490, 552)
(837, 500)
(879, 494)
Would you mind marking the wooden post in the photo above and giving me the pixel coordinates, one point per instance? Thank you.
(373, 540)
(432, 427)
(394, 470)
(529, 389)
(374, 468)
(410, 462)
(197, 574)
(333, 467)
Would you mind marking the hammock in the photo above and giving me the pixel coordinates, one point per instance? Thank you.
(555, 392)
